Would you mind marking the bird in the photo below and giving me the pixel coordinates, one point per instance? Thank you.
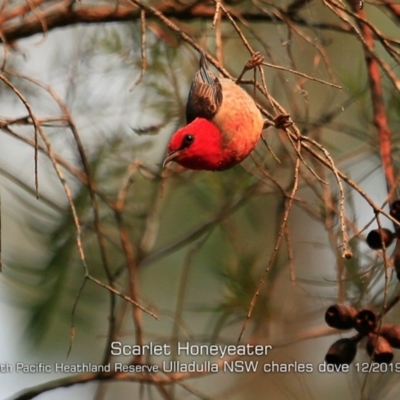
(223, 124)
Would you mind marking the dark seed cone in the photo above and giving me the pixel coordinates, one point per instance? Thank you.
(365, 321)
(342, 352)
(379, 349)
(376, 236)
(392, 334)
(395, 210)
(340, 316)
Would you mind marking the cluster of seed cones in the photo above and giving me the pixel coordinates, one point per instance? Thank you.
(381, 338)
(380, 343)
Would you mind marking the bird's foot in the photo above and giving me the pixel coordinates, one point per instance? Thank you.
(255, 61)
(282, 121)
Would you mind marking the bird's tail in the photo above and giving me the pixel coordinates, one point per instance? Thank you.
(204, 73)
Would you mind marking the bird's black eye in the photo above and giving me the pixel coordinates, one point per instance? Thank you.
(187, 140)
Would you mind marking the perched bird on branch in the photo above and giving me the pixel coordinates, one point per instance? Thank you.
(223, 123)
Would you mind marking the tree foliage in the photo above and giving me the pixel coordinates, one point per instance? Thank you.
(112, 247)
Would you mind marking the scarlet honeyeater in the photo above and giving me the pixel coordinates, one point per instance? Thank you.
(223, 124)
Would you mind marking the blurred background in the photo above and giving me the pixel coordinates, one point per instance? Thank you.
(104, 91)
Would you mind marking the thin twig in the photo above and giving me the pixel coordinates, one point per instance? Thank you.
(142, 50)
(277, 247)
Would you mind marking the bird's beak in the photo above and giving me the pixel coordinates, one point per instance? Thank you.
(170, 157)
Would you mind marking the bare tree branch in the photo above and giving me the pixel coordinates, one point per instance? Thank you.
(20, 23)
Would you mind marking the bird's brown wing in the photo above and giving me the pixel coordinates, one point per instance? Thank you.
(205, 95)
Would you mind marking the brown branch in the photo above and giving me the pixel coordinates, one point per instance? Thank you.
(380, 119)
(297, 5)
(19, 10)
(393, 8)
(130, 254)
(20, 23)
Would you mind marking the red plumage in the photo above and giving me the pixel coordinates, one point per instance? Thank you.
(224, 125)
